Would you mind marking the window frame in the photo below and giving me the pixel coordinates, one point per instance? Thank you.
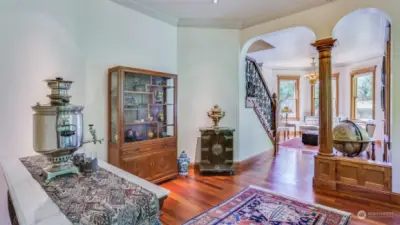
(295, 78)
(353, 95)
(334, 76)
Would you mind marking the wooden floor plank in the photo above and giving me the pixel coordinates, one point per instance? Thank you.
(290, 174)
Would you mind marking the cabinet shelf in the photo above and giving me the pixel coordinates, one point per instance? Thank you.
(161, 104)
(141, 123)
(133, 109)
(146, 149)
(161, 86)
(139, 92)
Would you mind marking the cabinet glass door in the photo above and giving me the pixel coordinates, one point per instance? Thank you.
(114, 106)
(148, 107)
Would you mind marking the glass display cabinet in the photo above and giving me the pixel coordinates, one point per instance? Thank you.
(142, 122)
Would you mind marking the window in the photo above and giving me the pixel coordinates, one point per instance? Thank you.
(335, 97)
(363, 93)
(288, 94)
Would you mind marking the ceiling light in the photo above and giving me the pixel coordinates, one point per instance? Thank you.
(215, 1)
(313, 76)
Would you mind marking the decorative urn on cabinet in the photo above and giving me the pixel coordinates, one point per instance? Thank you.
(183, 164)
(350, 139)
(216, 114)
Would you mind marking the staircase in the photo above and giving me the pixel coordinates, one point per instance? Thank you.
(260, 99)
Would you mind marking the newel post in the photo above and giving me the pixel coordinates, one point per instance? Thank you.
(275, 122)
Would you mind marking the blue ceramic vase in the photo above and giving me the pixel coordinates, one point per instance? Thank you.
(183, 164)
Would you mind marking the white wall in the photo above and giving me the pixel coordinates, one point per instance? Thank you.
(207, 68)
(115, 35)
(78, 40)
(252, 137)
(39, 40)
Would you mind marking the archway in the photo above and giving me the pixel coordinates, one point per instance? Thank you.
(288, 48)
(362, 56)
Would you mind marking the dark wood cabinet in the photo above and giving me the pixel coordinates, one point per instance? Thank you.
(142, 125)
(216, 150)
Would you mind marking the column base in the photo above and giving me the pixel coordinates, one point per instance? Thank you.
(323, 154)
(325, 171)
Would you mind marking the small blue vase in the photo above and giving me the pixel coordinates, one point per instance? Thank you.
(183, 164)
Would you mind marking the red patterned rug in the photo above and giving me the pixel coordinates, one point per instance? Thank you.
(297, 144)
(255, 205)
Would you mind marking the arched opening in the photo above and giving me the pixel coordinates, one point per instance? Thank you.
(280, 62)
(362, 57)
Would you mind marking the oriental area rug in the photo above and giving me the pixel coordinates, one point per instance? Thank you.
(255, 205)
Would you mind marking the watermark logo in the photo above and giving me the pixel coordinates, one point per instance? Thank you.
(362, 214)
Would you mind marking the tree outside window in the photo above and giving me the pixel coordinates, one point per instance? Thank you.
(335, 97)
(288, 87)
(363, 94)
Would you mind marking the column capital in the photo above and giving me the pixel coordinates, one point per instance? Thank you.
(324, 44)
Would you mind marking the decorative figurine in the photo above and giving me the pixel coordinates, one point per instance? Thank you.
(129, 133)
(135, 83)
(89, 165)
(159, 97)
(150, 134)
(183, 164)
(216, 114)
(78, 159)
(150, 118)
(84, 163)
(160, 116)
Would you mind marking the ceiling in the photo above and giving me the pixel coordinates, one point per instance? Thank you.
(360, 36)
(227, 13)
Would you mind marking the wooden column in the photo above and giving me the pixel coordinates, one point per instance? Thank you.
(324, 48)
(325, 161)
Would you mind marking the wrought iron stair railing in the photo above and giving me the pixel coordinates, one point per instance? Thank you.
(261, 100)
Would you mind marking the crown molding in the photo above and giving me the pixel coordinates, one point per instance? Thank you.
(367, 58)
(208, 23)
(307, 68)
(135, 5)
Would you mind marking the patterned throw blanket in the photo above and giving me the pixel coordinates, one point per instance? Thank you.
(100, 198)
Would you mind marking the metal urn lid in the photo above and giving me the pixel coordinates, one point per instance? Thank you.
(59, 98)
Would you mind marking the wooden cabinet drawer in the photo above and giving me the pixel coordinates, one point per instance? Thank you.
(163, 163)
(139, 166)
(131, 149)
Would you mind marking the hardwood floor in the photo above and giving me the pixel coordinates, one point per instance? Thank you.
(290, 173)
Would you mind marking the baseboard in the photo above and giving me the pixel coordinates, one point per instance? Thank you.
(246, 163)
(376, 197)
